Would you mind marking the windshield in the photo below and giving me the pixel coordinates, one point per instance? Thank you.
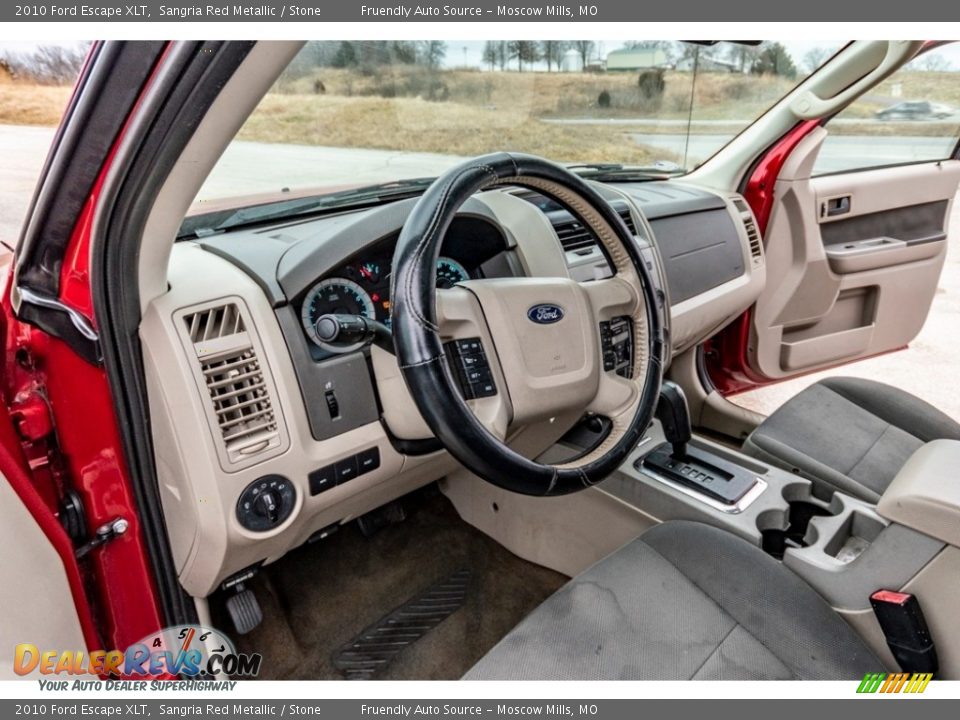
(347, 114)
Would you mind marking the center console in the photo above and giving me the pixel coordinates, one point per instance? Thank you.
(841, 546)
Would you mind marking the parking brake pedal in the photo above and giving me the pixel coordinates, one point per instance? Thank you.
(244, 609)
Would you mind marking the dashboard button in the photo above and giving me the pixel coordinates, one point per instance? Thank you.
(368, 460)
(322, 479)
(346, 469)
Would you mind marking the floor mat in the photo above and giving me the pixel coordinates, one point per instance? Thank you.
(377, 646)
(322, 596)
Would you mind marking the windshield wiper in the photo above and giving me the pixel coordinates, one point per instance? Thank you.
(201, 225)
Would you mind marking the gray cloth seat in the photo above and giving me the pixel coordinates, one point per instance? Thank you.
(683, 601)
(848, 434)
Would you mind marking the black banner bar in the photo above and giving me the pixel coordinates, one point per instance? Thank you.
(154, 11)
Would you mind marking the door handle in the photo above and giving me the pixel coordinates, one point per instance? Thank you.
(831, 207)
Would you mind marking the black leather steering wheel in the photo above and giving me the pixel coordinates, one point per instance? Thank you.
(535, 383)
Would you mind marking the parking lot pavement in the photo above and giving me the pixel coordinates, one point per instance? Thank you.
(928, 368)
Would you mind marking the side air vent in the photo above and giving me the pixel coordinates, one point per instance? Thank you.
(243, 418)
(753, 235)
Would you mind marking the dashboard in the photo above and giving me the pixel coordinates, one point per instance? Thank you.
(361, 286)
(245, 398)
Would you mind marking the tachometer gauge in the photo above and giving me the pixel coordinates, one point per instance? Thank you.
(334, 295)
(450, 272)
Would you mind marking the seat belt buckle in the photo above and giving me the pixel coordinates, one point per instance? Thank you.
(905, 630)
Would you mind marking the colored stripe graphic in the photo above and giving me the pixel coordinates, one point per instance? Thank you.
(891, 683)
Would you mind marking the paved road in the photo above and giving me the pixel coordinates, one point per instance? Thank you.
(836, 154)
(927, 369)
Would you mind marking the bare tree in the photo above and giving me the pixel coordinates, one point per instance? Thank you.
(49, 64)
(552, 51)
(814, 58)
(931, 62)
(432, 53)
(523, 51)
(584, 49)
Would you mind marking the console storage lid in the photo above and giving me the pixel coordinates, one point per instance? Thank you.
(925, 494)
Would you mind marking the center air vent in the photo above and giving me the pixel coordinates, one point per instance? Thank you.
(244, 420)
(574, 235)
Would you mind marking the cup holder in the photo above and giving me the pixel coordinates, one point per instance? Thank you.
(790, 528)
(797, 533)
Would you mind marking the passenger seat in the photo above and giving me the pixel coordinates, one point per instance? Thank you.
(848, 434)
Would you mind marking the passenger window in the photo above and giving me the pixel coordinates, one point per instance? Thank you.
(913, 116)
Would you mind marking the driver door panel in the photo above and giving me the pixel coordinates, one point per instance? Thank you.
(853, 261)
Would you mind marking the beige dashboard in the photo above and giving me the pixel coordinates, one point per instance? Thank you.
(215, 333)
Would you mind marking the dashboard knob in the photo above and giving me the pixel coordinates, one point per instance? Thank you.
(266, 503)
(268, 506)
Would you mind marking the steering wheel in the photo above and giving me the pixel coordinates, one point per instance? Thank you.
(539, 337)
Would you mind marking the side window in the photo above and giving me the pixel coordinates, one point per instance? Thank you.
(912, 116)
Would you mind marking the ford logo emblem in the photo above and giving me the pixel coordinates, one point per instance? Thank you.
(545, 314)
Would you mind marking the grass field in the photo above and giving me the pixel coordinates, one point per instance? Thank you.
(469, 112)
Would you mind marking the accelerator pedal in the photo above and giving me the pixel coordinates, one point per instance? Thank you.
(372, 650)
(244, 610)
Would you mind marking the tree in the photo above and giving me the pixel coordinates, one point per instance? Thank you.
(743, 56)
(584, 49)
(432, 53)
(490, 53)
(48, 64)
(814, 58)
(503, 54)
(552, 51)
(346, 56)
(931, 62)
(524, 51)
(774, 60)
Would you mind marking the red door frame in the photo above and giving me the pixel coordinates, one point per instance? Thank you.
(114, 587)
(726, 354)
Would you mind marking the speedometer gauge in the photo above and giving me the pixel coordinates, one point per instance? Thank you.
(334, 295)
(450, 272)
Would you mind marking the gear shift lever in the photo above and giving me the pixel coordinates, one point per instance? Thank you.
(694, 467)
(674, 416)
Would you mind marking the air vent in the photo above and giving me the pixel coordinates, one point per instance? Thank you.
(242, 414)
(628, 220)
(753, 235)
(574, 235)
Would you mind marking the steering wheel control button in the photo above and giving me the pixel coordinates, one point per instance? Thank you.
(368, 460)
(323, 479)
(469, 361)
(616, 344)
(471, 345)
(473, 360)
(266, 503)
